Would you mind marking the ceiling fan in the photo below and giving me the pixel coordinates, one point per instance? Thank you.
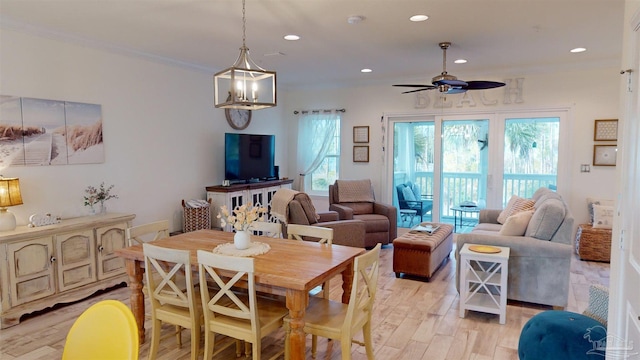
(450, 84)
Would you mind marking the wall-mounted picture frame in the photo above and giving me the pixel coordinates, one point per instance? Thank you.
(604, 155)
(605, 130)
(361, 153)
(360, 134)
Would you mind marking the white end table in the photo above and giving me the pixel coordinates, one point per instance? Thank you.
(483, 281)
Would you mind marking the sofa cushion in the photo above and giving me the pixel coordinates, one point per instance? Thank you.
(515, 205)
(374, 222)
(602, 216)
(516, 224)
(540, 192)
(360, 208)
(487, 227)
(354, 191)
(307, 206)
(546, 219)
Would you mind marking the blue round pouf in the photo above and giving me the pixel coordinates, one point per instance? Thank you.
(562, 335)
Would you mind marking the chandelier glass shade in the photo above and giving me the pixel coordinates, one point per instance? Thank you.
(244, 85)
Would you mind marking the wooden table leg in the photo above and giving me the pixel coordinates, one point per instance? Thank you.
(297, 302)
(136, 300)
(347, 281)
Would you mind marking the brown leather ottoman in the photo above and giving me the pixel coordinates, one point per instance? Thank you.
(422, 254)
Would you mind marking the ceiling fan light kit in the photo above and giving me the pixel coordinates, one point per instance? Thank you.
(449, 84)
(244, 85)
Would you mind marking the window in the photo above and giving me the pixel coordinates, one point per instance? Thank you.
(319, 151)
(327, 172)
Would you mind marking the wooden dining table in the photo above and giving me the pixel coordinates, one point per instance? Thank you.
(290, 268)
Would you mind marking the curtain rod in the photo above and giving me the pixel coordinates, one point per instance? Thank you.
(296, 112)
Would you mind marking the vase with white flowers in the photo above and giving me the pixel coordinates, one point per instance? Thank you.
(99, 195)
(241, 219)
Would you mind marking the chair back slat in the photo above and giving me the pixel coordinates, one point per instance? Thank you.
(297, 232)
(140, 234)
(363, 290)
(228, 271)
(169, 277)
(264, 228)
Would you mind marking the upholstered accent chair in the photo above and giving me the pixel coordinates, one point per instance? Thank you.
(302, 212)
(355, 200)
(410, 198)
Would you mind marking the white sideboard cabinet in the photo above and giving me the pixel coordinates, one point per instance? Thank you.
(60, 263)
(239, 194)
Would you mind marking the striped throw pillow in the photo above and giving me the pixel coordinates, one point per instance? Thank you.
(515, 205)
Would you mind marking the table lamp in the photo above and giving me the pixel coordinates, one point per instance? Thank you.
(9, 196)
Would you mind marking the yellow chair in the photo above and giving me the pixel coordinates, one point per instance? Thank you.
(172, 295)
(240, 315)
(140, 234)
(335, 320)
(265, 228)
(106, 330)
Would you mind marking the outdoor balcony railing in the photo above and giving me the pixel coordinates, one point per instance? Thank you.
(459, 187)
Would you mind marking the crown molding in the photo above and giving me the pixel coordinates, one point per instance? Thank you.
(7, 23)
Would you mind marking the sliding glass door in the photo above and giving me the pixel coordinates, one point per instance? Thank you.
(473, 160)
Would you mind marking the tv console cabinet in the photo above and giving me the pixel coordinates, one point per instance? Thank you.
(239, 194)
(60, 263)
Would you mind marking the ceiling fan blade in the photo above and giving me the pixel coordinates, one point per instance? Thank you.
(481, 85)
(424, 88)
(415, 85)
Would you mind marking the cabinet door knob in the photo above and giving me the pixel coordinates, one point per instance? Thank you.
(101, 248)
(53, 259)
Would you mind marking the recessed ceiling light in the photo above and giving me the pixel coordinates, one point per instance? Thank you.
(578, 50)
(366, 70)
(418, 18)
(355, 19)
(460, 61)
(291, 37)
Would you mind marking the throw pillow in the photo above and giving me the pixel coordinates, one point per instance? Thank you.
(416, 191)
(516, 224)
(408, 194)
(593, 201)
(515, 205)
(598, 304)
(602, 216)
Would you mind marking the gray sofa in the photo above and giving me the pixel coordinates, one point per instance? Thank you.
(539, 261)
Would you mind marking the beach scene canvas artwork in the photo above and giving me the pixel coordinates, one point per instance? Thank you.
(37, 132)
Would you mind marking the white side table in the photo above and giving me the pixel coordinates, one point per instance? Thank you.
(483, 281)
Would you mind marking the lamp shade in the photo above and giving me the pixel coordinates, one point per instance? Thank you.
(10, 192)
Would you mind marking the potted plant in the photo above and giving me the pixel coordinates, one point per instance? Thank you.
(99, 195)
(241, 219)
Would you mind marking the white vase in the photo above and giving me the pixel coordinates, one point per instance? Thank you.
(242, 239)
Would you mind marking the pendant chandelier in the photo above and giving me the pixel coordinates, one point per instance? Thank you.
(244, 85)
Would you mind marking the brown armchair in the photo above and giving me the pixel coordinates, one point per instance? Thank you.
(354, 199)
(302, 212)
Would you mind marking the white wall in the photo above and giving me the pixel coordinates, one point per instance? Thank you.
(590, 94)
(164, 140)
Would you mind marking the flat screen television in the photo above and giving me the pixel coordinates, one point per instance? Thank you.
(249, 157)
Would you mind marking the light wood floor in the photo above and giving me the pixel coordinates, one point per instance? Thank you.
(414, 319)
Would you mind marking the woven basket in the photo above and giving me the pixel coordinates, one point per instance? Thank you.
(593, 244)
(196, 218)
